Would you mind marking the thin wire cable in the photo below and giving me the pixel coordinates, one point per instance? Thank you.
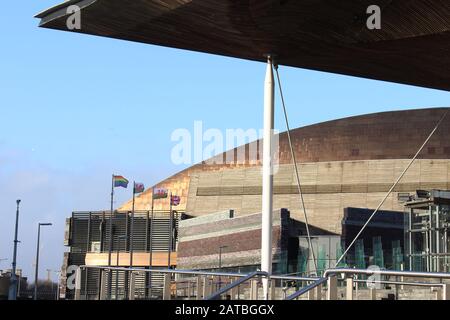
(294, 161)
(393, 187)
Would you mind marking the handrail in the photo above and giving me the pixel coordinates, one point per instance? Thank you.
(199, 272)
(232, 285)
(306, 289)
(413, 274)
(412, 284)
(293, 278)
(171, 271)
(332, 272)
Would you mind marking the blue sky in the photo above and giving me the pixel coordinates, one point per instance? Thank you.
(76, 108)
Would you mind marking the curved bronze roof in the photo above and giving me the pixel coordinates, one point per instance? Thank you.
(412, 46)
(385, 135)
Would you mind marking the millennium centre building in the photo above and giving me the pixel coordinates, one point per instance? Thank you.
(346, 167)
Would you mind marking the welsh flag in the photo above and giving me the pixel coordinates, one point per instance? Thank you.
(160, 193)
(138, 187)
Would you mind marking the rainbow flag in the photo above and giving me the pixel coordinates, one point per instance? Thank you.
(138, 187)
(119, 181)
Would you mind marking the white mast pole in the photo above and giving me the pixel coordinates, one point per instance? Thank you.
(267, 179)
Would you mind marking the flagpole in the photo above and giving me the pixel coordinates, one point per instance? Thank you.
(110, 237)
(151, 244)
(170, 231)
(132, 226)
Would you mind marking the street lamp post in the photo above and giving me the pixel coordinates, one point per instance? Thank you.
(12, 294)
(36, 272)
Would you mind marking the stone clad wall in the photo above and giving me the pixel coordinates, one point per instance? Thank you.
(328, 188)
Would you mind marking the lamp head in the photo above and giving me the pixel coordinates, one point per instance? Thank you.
(45, 224)
(18, 201)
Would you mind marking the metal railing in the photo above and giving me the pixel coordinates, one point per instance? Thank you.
(207, 292)
(167, 279)
(411, 274)
(235, 284)
(201, 286)
(348, 273)
(317, 284)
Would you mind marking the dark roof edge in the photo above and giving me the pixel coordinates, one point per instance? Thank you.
(61, 9)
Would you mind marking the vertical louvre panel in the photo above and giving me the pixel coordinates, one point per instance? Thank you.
(91, 231)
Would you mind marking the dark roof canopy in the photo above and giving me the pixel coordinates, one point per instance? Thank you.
(412, 47)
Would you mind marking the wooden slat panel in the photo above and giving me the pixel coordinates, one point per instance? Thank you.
(140, 259)
(327, 35)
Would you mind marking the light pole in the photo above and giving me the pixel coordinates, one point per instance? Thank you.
(220, 264)
(12, 294)
(36, 272)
